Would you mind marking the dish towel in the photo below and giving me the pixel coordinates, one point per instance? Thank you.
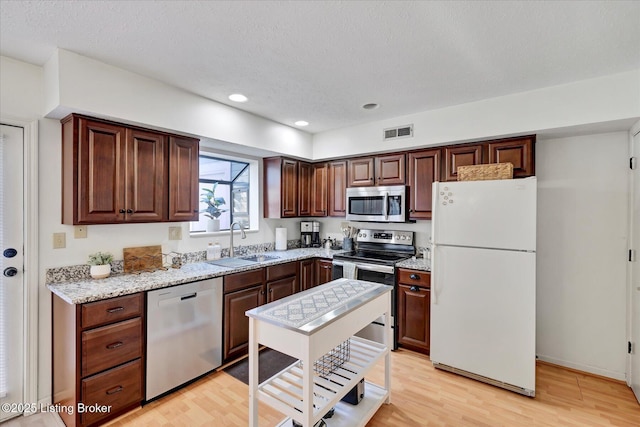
(349, 270)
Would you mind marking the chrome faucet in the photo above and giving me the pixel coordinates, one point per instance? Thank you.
(242, 236)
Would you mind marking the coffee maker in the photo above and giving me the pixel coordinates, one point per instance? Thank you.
(306, 232)
(315, 235)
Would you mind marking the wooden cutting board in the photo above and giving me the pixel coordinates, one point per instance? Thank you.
(142, 258)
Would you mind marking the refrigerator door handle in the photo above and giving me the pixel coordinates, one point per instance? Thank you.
(434, 276)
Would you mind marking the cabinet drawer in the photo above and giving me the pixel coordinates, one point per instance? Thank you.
(118, 388)
(237, 281)
(111, 310)
(111, 345)
(279, 271)
(414, 277)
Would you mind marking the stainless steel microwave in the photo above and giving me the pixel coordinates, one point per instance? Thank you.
(377, 204)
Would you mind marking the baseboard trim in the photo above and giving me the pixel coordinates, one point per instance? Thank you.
(580, 371)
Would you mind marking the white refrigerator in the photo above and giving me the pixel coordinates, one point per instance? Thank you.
(483, 281)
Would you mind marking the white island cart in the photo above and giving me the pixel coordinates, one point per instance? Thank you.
(316, 326)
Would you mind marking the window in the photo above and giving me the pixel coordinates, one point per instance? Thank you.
(231, 179)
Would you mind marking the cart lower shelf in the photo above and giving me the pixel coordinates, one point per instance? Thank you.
(284, 391)
(347, 415)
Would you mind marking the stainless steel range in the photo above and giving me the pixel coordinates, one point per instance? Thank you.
(374, 259)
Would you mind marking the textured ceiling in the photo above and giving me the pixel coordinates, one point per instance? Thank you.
(321, 61)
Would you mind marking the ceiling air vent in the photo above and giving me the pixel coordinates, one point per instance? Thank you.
(399, 132)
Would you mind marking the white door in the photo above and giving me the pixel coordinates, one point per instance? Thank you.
(11, 270)
(486, 214)
(635, 274)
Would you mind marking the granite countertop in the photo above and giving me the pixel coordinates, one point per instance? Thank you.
(88, 290)
(311, 310)
(414, 264)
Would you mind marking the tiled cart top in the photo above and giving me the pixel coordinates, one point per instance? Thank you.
(312, 309)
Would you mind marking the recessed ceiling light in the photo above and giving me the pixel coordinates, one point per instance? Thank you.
(301, 123)
(371, 106)
(238, 97)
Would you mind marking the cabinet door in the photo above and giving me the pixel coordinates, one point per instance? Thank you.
(236, 324)
(183, 178)
(360, 172)
(337, 188)
(147, 188)
(518, 151)
(413, 317)
(289, 188)
(324, 268)
(282, 288)
(461, 155)
(101, 173)
(307, 274)
(424, 170)
(305, 189)
(390, 170)
(318, 194)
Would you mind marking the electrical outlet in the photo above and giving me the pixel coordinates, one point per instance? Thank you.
(80, 232)
(59, 240)
(175, 233)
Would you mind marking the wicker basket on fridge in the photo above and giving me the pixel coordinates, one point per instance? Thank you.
(485, 172)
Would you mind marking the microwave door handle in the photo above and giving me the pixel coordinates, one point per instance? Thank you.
(386, 206)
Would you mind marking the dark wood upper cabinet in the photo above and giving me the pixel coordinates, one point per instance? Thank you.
(318, 189)
(460, 155)
(379, 170)
(424, 170)
(280, 187)
(390, 169)
(184, 174)
(147, 174)
(305, 187)
(337, 188)
(518, 151)
(113, 173)
(361, 173)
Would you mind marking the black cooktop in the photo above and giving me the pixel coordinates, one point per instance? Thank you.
(372, 256)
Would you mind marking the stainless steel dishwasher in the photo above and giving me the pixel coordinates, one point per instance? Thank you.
(184, 334)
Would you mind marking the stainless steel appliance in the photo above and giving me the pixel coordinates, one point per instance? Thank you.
(306, 230)
(184, 334)
(374, 260)
(377, 204)
(315, 235)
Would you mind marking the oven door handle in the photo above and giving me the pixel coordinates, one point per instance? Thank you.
(370, 267)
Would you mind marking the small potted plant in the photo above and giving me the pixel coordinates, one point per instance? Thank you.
(212, 211)
(100, 263)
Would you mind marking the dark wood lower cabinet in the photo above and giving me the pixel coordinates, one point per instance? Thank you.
(281, 288)
(98, 357)
(414, 310)
(324, 268)
(307, 274)
(236, 323)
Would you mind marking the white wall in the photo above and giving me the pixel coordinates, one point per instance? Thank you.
(582, 244)
(604, 99)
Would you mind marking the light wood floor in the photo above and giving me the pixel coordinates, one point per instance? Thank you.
(420, 396)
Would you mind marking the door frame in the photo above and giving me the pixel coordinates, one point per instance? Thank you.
(632, 298)
(30, 276)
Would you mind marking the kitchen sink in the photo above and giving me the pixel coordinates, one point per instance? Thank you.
(241, 261)
(259, 258)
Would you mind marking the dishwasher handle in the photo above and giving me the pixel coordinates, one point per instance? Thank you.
(178, 299)
(193, 295)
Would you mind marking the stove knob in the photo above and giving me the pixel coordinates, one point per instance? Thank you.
(364, 234)
(359, 234)
(397, 237)
(403, 237)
